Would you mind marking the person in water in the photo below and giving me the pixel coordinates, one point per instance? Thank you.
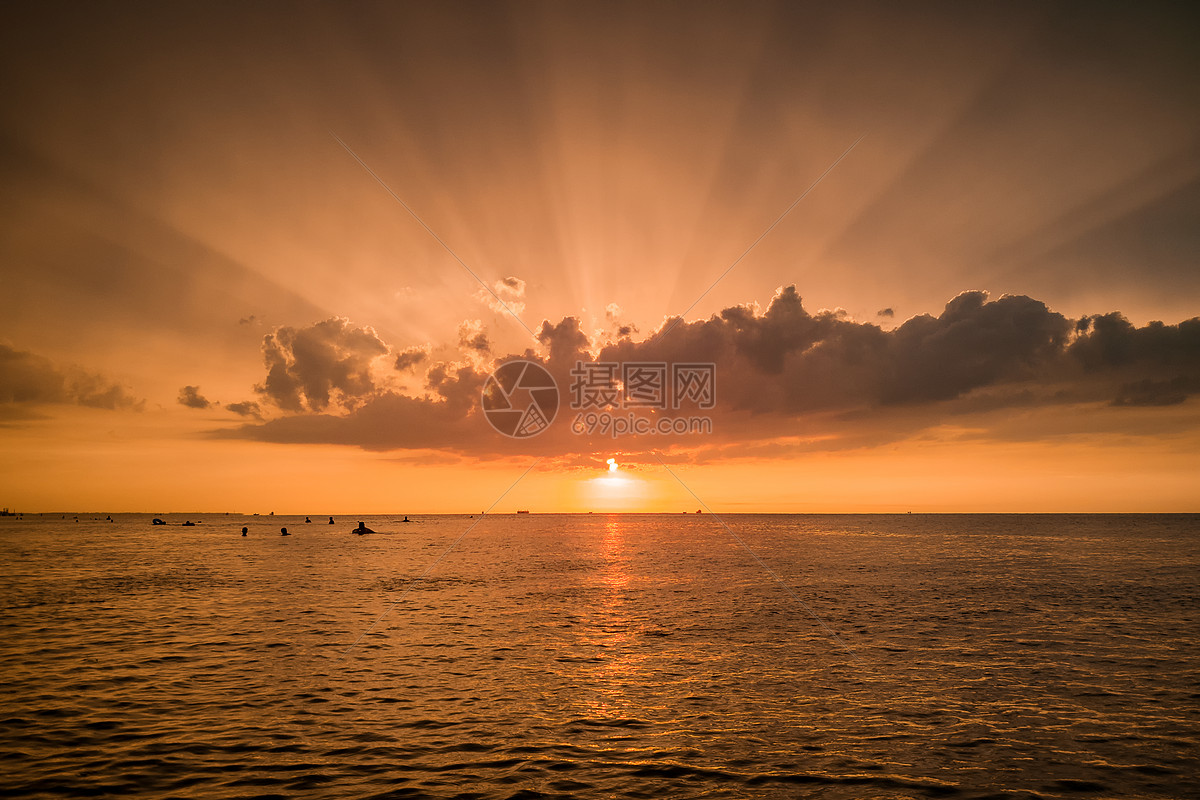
(361, 529)
(244, 530)
(283, 532)
(331, 520)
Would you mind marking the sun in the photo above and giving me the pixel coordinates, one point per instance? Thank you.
(613, 489)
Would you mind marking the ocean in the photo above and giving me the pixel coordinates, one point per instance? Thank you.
(601, 656)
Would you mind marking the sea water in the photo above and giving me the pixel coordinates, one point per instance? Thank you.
(599, 656)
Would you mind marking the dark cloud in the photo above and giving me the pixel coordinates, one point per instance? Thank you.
(1110, 340)
(787, 361)
(885, 312)
(1149, 392)
(973, 343)
(190, 396)
(28, 378)
(784, 369)
(250, 320)
(566, 341)
(409, 358)
(247, 408)
(308, 368)
(458, 385)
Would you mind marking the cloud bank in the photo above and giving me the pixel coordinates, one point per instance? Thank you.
(783, 374)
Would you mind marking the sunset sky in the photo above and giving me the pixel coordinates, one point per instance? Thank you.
(211, 298)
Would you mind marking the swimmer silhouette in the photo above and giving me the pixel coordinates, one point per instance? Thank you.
(244, 531)
(306, 519)
(283, 532)
(361, 529)
(331, 520)
(406, 518)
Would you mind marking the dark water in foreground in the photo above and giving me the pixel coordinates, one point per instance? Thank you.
(602, 657)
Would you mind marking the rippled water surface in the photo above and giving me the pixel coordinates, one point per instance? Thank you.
(602, 656)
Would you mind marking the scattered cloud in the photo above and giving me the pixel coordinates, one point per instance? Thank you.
(250, 320)
(887, 313)
(615, 326)
(247, 408)
(190, 396)
(506, 295)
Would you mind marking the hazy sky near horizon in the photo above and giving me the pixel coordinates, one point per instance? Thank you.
(179, 216)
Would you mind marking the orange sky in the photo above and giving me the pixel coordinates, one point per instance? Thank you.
(174, 191)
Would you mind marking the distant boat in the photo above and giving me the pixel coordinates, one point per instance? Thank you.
(522, 511)
(6, 513)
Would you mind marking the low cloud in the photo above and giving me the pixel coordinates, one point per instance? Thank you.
(28, 379)
(789, 380)
(190, 396)
(308, 369)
